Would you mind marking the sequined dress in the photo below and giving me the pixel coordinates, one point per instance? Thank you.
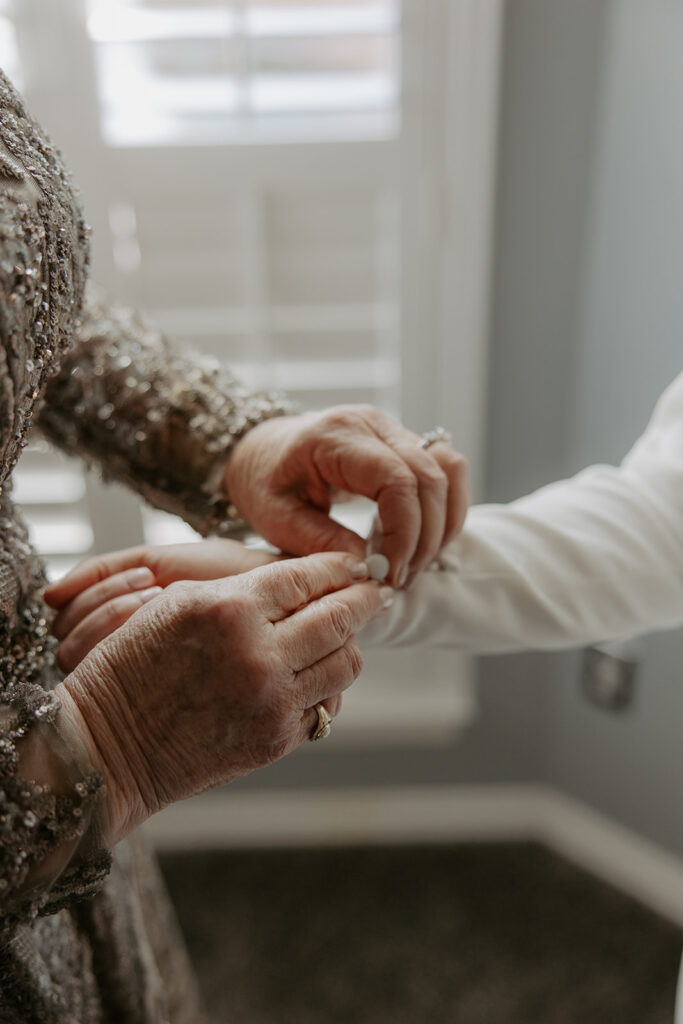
(86, 935)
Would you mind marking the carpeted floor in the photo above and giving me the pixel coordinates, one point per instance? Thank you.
(430, 935)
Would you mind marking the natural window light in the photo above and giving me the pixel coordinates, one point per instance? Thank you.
(9, 51)
(209, 72)
(284, 268)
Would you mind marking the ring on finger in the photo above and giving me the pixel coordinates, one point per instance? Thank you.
(324, 724)
(435, 436)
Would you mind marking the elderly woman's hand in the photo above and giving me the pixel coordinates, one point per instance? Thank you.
(213, 679)
(101, 593)
(282, 476)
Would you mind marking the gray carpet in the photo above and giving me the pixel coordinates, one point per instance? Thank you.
(459, 935)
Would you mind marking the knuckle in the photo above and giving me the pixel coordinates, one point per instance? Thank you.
(340, 620)
(403, 488)
(298, 575)
(355, 659)
(193, 606)
(369, 413)
(98, 567)
(230, 612)
(108, 588)
(349, 415)
(403, 483)
(340, 671)
(183, 596)
(337, 416)
(120, 608)
(434, 479)
(178, 589)
(308, 430)
(316, 677)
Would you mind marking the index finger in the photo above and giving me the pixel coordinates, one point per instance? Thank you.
(327, 623)
(283, 587)
(378, 472)
(91, 571)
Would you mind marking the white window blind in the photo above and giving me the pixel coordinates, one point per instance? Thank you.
(279, 255)
(217, 71)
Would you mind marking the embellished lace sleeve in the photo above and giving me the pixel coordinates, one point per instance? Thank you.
(50, 850)
(161, 423)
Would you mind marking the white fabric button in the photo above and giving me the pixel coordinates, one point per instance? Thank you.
(378, 567)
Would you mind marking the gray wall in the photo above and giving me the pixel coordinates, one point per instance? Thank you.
(588, 308)
(628, 346)
(588, 324)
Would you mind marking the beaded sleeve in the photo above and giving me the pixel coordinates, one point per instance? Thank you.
(161, 423)
(50, 848)
(49, 838)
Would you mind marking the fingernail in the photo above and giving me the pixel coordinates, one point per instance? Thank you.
(139, 578)
(402, 576)
(387, 595)
(358, 570)
(147, 595)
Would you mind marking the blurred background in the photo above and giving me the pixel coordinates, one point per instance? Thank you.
(468, 212)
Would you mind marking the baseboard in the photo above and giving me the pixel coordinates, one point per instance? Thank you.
(613, 853)
(430, 814)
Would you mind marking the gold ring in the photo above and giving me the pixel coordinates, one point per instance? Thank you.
(435, 436)
(324, 726)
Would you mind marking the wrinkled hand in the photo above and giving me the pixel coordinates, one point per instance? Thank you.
(213, 679)
(284, 474)
(101, 593)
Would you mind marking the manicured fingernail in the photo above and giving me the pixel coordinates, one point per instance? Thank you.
(139, 578)
(387, 595)
(378, 567)
(402, 575)
(358, 570)
(147, 595)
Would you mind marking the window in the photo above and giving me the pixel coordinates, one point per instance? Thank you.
(218, 71)
(278, 255)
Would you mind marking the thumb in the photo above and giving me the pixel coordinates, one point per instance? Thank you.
(300, 529)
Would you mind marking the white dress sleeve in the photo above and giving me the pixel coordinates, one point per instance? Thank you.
(596, 557)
